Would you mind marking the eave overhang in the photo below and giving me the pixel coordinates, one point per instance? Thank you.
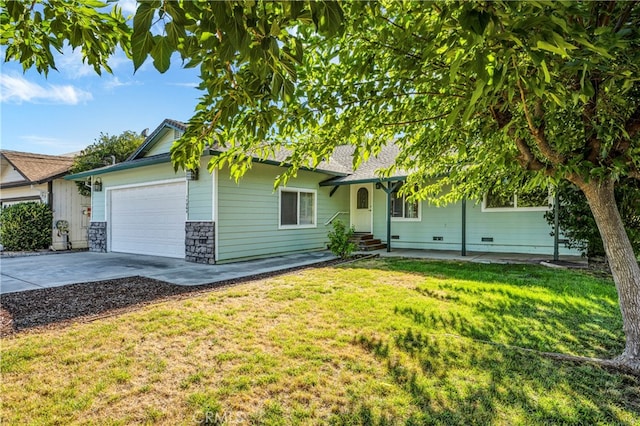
(126, 165)
(339, 182)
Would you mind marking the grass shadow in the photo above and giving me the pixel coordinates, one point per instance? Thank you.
(454, 381)
(523, 305)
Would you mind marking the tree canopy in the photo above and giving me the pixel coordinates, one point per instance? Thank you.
(478, 95)
(103, 152)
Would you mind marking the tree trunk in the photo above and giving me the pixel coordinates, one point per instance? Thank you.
(624, 267)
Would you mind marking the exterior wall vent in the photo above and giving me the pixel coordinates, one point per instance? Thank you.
(438, 238)
(395, 237)
(487, 239)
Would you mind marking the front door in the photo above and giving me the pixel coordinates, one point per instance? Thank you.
(362, 207)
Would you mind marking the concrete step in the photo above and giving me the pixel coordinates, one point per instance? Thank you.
(372, 247)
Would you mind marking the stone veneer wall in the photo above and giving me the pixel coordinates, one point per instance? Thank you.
(97, 236)
(200, 242)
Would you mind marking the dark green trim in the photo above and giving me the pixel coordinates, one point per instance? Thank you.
(389, 190)
(338, 181)
(166, 158)
(151, 141)
(333, 190)
(556, 226)
(126, 165)
(463, 250)
(283, 164)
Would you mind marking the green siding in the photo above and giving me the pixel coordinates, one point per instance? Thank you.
(200, 194)
(248, 215)
(163, 145)
(512, 232)
(434, 221)
(156, 172)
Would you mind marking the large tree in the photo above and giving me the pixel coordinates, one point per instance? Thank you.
(482, 95)
(106, 150)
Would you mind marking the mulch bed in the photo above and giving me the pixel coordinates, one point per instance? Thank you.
(84, 302)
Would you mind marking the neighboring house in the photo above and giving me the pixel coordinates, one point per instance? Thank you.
(35, 177)
(142, 206)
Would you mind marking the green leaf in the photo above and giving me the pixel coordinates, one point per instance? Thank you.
(480, 85)
(161, 53)
(141, 46)
(547, 76)
(543, 45)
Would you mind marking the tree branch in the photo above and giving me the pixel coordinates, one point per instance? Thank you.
(625, 15)
(589, 111)
(395, 49)
(538, 132)
(421, 120)
(400, 27)
(632, 127)
(527, 159)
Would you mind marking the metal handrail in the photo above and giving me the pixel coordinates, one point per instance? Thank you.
(333, 217)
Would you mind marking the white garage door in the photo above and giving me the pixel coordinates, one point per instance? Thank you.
(149, 219)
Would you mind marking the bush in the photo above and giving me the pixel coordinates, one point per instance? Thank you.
(340, 242)
(26, 226)
(579, 227)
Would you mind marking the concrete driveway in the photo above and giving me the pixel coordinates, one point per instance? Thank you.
(52, 270)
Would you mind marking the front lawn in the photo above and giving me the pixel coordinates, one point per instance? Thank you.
(374, 342)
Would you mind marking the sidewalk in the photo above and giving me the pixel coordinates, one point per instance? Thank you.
(478, 257)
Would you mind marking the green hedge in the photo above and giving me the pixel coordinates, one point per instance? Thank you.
(26, 226)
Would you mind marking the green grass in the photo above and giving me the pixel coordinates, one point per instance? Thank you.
(375, 342)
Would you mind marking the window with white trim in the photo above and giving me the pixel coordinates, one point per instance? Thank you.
(401, 209)
(297, 208)
(531, 201)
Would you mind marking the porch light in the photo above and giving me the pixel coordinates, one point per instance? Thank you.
(192, 174)
(97, 185)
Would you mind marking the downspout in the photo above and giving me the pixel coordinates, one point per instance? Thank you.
(463, 250)
(50, 196)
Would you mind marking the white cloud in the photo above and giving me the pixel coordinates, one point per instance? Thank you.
(118, 59)
(15, 88)
(128, 6)
(192, 85)
(70, 63)
(49, 145)
(113, 82)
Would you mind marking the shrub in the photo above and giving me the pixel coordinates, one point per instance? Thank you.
(579, 227)
(340, 242)
(26, 226)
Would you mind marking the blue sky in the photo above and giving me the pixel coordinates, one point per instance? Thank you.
(69, 109)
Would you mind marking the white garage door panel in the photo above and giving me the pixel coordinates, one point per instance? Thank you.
(149, 220)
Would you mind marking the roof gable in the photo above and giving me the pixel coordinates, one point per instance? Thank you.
(160, 140)
(37, 168)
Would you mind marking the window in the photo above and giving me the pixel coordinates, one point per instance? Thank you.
(297, 208)
(401, 209)
(531, 201)
(362, 199)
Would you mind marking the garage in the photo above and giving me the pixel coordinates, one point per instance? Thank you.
(149, 219)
